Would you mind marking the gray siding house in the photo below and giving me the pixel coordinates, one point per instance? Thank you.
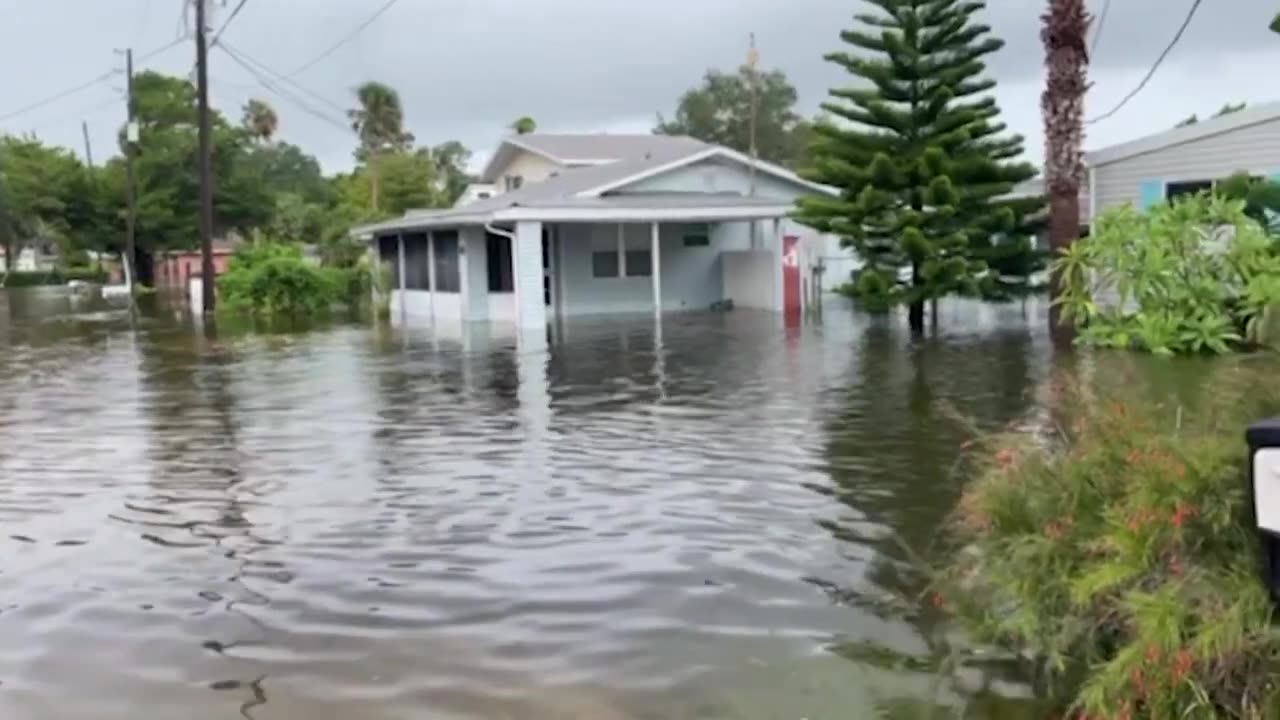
(1185, 159)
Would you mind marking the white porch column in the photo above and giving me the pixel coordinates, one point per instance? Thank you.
(655, 262)
(526, 254)
(400, 280)
(776, 249)
(431, 272)
(474, 273)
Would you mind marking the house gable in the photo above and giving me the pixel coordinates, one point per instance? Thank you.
(715, 171)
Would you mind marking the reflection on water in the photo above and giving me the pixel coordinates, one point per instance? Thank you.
(362, 522)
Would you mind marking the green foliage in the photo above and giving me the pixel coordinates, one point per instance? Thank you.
(1190, 276)
(1261, 198)
(923, 165)
(719, 111)
(524, 125)
(56, 276)
(260, 119)
(1117, 552)
(273, 279)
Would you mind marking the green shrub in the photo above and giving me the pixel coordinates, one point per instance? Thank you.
(1117, 551)
(56, 276)
(84, 274)
(274, 279)
(1194, 275)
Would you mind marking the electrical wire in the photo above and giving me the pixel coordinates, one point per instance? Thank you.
(345, 39)
(284, 78)
(218, 35)
(1195, 5)
(267, 83)
(84, 86)
(1102, 23)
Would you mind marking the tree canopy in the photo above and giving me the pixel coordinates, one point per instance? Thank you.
(719, 111)
(922, 162)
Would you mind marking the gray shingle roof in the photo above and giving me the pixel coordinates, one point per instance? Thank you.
(602, 147)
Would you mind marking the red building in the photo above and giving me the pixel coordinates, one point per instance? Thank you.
(175, 268)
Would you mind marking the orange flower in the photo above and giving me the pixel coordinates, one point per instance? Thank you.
(937, 600)
(1005, 457)
(1183, 664)
(1182, 513)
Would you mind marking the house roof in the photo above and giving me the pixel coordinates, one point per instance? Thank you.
(580, 150)
(1181, 135)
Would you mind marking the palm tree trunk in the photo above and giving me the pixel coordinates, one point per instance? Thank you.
(1064, 35)
(374, 181)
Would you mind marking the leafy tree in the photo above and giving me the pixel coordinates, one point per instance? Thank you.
(450, 160)
(922, 163)
(524, 125)
(1261, 198)
(379, 122)
(260, 119)
(1227, 109)
(1275, 24)
(719, 111)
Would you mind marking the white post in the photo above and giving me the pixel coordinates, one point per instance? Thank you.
(431, 273)
(622, 250)
(776, 250)
(526, 252)
(400, 273)
(655, 262)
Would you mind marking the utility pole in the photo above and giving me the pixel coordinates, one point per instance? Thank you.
(88, 150)
(131, 137)
(206, 164)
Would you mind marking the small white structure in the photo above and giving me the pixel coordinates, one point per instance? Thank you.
(593, 224)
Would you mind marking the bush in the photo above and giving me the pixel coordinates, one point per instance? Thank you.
(1118, 552)
(1195, 275)
(56, 276)
(274, 279)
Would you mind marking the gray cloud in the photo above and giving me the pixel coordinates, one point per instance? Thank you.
(466, 68)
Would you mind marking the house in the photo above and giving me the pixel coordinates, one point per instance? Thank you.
(175, 268)
(1184, 160)
(597, 224)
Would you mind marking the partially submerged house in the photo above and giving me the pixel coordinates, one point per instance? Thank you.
(594, 224)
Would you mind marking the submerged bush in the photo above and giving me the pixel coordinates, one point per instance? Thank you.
(274, 279)
(1195, 275)
(1117, 551)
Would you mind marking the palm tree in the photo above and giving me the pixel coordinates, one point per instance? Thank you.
(524, 125)
(379, 123)
(260, 119)
(1064, 34)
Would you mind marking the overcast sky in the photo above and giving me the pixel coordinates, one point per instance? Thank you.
(466, 68)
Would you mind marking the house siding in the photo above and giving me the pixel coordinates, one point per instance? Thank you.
(714, 177)
(1141, 179)
(533, 168)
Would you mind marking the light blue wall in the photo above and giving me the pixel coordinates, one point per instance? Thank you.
(1151, 193)
(691, 276)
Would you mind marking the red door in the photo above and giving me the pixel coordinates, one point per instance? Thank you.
(791, 275)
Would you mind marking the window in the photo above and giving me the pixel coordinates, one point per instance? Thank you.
(417, 270)
(639, 263)
(513, 182)
(604, 264)
(697, 239)
(1175, 190)
(498, 249)
(446, 248)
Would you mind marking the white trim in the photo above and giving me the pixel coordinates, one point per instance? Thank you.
(655, 266)
(1202, 130)
(728, 213)
(713, 152)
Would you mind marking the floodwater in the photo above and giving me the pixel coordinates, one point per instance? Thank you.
(710, 519)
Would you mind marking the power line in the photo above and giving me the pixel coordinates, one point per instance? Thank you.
(283, 93)
(1195, 5)
(284, 78)
(1102, 23)
(347, 38)
(218, 35)
(83, 86)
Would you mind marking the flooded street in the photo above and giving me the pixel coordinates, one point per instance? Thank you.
(361, 522)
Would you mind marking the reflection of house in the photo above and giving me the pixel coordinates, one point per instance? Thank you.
(29, 259)
(175, 268)
(583, 224)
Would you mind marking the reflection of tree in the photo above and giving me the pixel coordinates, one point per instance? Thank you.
(894, 447)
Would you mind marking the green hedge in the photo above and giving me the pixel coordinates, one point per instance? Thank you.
(56, 276)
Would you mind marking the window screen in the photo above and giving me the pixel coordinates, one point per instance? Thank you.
(604, 264)
(447, 279)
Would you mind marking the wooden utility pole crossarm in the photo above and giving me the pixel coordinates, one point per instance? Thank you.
(206, 165)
